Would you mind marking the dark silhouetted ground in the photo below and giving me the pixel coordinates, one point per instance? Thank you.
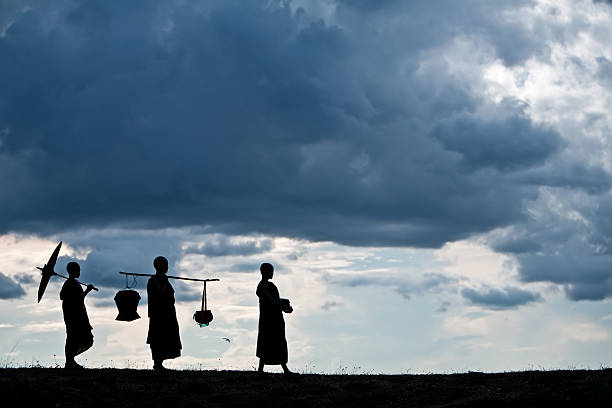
(113, 388)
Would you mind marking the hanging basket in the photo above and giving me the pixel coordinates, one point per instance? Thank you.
(127, 303)
(203, 317)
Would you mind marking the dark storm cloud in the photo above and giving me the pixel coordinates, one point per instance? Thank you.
(223, 246)
(590, 291)
(517, 245)
(506, 298)
(601, 218)
(9, 289)
(570, 175)
(570, 246)
(505, 145)
(251, 119)
(583, 276)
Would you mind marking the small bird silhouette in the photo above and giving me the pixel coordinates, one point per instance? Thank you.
(226, 339)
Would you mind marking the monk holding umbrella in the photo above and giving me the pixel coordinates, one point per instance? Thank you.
(78, 330)
(163, 336)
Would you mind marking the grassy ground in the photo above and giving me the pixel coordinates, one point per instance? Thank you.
(113, 388)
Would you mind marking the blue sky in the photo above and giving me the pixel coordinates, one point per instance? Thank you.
(431, 179)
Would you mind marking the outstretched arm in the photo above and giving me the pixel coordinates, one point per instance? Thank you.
(89, 289)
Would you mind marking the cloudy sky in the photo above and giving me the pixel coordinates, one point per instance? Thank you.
(431, 179)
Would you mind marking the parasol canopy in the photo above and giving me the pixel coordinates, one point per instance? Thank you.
(48, 271)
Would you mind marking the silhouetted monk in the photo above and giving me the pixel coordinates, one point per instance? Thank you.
(78, 330)
(271, 341)
(163, 336)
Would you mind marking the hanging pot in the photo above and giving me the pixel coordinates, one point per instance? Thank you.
(127, 303)
(203, 317)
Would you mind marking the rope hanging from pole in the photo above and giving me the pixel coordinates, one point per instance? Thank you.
(204, 297)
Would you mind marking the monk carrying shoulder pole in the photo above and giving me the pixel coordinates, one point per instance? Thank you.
(203, 316)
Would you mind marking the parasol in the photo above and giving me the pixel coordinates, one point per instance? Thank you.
(48, 272)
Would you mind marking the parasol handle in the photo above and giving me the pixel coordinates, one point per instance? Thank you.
(80, 283)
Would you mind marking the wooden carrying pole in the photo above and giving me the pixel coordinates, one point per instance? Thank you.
(170, 277)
